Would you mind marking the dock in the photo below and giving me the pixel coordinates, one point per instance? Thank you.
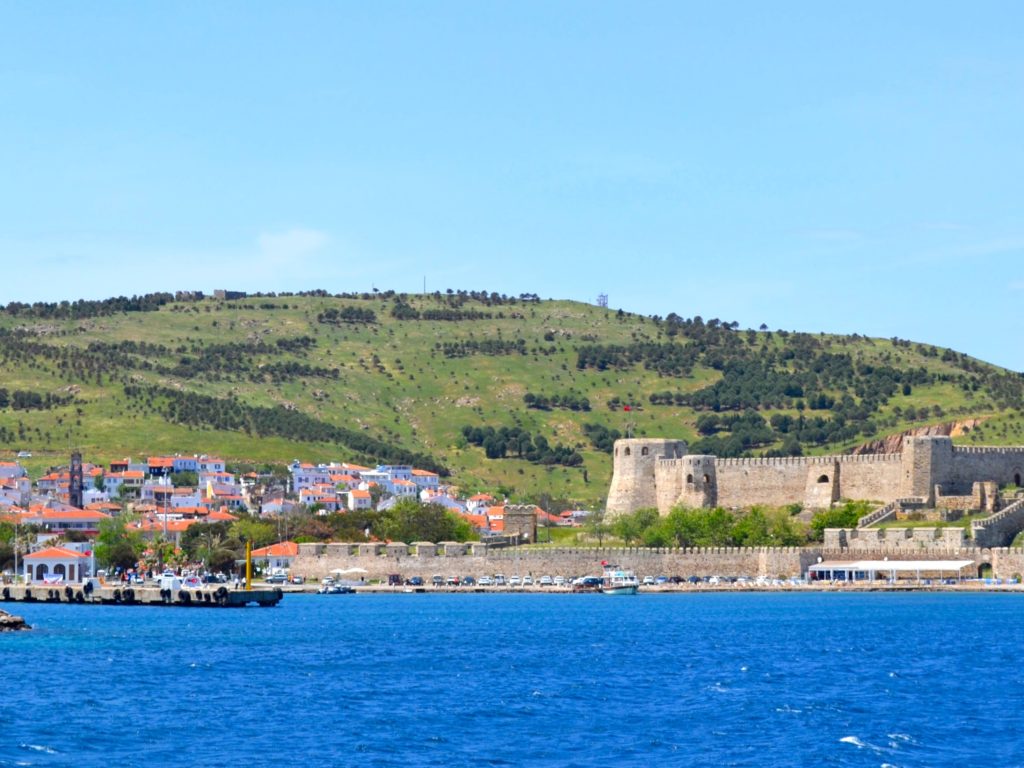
(204, 596)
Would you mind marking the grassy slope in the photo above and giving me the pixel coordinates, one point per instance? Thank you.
(414, 396)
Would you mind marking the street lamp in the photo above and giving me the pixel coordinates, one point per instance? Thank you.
(17, 527)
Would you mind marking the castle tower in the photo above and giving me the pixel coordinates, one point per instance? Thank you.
(925, 463)
(75, 481)
(633, 477)
(699, 482)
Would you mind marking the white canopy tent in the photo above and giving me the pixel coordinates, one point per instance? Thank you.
(859, 570)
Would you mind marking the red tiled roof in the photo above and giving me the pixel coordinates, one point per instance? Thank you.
(55, 553)
(282, 549)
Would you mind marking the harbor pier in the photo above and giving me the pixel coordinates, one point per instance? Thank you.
(203, 596)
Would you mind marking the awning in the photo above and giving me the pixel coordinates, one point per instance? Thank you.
(892, 566)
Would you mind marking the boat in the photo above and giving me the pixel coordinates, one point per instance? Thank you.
(331, 587)
(618, 581)
(336, 589)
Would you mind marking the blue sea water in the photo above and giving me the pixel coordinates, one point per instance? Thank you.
(534, 680)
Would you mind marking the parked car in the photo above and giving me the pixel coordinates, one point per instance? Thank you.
(546, 581)
(452, 581)
(514, 581)
(527, 581)
(559, 581)
(648, 581)
(468, 581)
(486, 581)
(437, 580)
(661, 579)
(499, 580)
(415, 581)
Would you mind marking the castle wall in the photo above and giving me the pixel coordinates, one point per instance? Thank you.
(690, 481)
(874, 478)
(633, 483)
(969, 465)
(669, 477)
(315, 561)
(927, 461)
(658, 473)
(776, 482)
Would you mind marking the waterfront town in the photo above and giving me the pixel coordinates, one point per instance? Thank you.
(57, 518)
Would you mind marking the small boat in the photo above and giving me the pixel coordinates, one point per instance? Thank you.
(336, 589)
(617, 581)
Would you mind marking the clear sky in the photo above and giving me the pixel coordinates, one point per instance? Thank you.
(845, 167)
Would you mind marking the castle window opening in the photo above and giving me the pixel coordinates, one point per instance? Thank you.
(627, 451)
(643, 451)
(823, 479)
(1016, 479)
(707, 479)
(689, 479)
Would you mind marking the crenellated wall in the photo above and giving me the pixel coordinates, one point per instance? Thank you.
(658, 473)
(633, 483)
(315, 561)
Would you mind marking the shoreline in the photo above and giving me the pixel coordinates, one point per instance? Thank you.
(836, 587)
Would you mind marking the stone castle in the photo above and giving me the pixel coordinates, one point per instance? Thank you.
(930, 471)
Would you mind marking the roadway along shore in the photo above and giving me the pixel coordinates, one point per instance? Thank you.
(667, 589)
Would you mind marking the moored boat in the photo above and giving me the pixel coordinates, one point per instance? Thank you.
(618, 581)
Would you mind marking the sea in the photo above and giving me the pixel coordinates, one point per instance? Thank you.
(405, 680)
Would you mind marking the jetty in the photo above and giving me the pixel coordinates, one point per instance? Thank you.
(203, 596)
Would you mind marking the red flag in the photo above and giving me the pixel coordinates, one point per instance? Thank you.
(627, 408)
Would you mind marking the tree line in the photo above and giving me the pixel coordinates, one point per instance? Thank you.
(757, 527)
(515, 442)
(230, 414)
(567, 401)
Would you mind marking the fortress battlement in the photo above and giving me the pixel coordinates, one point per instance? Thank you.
(1016, 450)
(660, 473)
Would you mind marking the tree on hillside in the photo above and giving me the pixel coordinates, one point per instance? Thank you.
(632, 527)
(116, 545)
(845, 516)
(260, 533)
(409, 521)
(597, 525)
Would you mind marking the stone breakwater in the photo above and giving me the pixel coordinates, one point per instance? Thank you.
(9, 623)
(378, 561)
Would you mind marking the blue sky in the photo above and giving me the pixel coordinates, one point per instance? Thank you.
(813, 166)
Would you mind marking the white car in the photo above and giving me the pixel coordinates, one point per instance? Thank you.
(486, 581)
(527, 581)
(559, 581)
(546, 581)
(514, 581)
(648, 581)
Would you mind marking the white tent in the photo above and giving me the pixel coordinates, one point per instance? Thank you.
(887, 569)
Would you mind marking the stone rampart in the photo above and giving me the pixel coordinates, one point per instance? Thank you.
(317, 561)
(745, 482)
(897, 540)
(999, 529)
(658, 473)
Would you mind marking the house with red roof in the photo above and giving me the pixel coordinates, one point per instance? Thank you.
(359, 499)
(278, 555)
(62, 518)
(55, 565)
(478, 501)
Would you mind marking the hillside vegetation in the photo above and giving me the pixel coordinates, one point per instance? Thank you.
(517, 395)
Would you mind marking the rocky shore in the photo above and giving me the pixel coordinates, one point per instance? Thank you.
(9, 623)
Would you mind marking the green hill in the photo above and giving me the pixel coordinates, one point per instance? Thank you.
(433, 380)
